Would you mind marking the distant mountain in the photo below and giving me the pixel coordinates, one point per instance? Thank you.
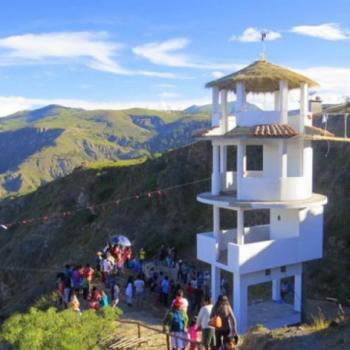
(41, 145)
(207, 108)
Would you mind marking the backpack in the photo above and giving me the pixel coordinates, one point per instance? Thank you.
(215, 322)
(177, 322)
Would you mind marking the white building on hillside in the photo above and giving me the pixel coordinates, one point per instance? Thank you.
(262, 162)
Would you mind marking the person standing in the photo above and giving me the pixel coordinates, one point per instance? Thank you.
(142, 257)
(115, 295)
(129, 291)
(180, 301)
(88, 273)
(208, 332)
(165, 286)
(176, 321)
(74, 303)
(223, 310)
(139, 285)
(104, 302)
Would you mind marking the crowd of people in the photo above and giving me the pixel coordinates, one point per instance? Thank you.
(214, 328)
(191, 318)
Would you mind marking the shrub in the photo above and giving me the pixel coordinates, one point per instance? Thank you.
(52, 329)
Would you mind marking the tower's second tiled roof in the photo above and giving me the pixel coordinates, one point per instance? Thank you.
(274, 130)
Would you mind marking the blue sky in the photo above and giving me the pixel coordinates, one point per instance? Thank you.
(118, 54)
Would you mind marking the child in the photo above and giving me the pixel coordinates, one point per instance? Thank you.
(193, 334)
(230, 344)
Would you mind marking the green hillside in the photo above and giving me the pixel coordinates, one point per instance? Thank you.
(31, 253)
(42, 145)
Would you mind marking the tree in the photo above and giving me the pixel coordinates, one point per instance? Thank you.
(61, 330)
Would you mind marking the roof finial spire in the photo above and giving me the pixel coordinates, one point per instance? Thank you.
(264, 34)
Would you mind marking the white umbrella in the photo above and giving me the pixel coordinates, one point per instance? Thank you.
(121, 240)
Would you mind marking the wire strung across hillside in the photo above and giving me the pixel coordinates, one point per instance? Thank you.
(91, 207)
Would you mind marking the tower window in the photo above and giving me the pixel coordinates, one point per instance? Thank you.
(254, 155)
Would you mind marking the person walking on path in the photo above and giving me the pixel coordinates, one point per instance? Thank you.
(208, 332)
(165, 287)
(223, 310)
(180, 301)
(104, 302)
(115, 295)
(129, 291)
(139, 285)
(176, 322)
(142, 257)
(74, 303)
(193, 334)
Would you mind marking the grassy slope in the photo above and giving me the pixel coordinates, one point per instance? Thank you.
(87, 136)
(174, 218)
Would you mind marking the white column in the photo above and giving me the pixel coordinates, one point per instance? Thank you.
(224, 111)
(215, 179)
(223, 158)
(215, 119)
(215, 283)
(216, 221)
(241, 166)
(284, 101)
(298, 292)
(223, 165)
(276, 290)
(284, 159)
(240, 302)
(277, 101)
(304, 105)
(240, 226)
(240, 97)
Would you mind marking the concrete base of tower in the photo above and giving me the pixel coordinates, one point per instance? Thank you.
(272, 314)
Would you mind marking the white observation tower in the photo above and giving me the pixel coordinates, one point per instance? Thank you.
(271, 156)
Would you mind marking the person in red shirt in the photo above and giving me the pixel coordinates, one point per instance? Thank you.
(88, 273)
(127, 254)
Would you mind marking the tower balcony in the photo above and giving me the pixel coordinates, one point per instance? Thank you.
(255, 186)
(259, 251)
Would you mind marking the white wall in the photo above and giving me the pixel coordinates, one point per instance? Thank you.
(287, 226)
(294, 159)
(266, 188)
(252, 118)
(206, 247)
(263, 255)
(271, 159)
(311, 231)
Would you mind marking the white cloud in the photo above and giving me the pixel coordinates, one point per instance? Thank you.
(327, 31)
(334, 82)
(94, 49)
(166, 54)
(12, 104)
(252, 34)
(165, 86)
(167, 94)
(217, 74)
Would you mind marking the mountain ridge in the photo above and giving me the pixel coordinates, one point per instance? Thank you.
(39, 146)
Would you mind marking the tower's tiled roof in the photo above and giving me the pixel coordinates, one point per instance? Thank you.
(264, 131)
(274, 130)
